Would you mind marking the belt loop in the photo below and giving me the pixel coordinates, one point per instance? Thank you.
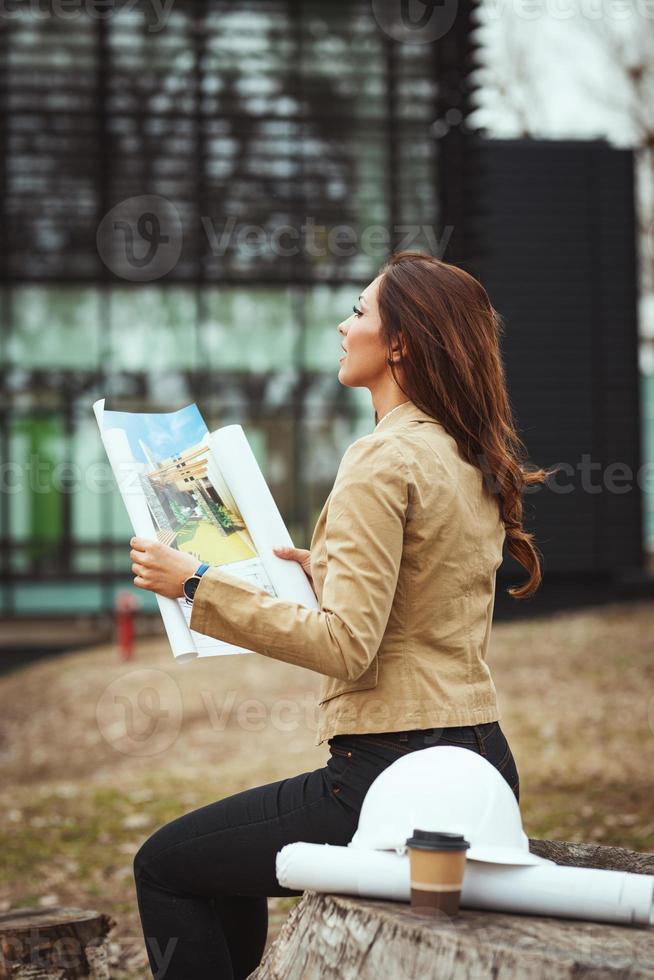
(480, 741)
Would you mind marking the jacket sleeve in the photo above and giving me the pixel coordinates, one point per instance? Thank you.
(364, 535)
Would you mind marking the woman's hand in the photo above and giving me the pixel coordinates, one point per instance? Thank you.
(159, 568)
(300, 555)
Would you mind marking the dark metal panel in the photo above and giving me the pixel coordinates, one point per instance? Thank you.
(621, 517)
(559, 266)
(461, 171)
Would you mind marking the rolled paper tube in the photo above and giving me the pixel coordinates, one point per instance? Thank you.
(548, 889)
(330, 868)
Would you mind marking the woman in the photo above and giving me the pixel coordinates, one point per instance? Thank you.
(403, 561)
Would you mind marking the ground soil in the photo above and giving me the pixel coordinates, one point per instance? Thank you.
(80, 791)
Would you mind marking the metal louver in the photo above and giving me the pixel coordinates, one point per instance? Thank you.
(462, 174)
(257, 113)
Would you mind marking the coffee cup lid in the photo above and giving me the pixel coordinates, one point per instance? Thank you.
(436, 840)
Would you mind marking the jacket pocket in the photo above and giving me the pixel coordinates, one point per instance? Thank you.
(333, 687)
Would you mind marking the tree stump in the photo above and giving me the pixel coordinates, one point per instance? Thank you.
(338, 937)
(54, 944)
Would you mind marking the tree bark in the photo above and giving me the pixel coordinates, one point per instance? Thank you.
(54, 944)
(338, 937)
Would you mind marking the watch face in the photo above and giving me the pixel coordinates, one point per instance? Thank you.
(190, 586)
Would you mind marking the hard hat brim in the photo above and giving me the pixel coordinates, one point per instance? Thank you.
(505, 855)
(491, 855)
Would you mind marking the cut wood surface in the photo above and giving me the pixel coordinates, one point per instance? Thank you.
(579, 855)
(54, 944)
(339, 937)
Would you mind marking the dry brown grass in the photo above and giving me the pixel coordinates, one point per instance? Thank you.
(577, 705)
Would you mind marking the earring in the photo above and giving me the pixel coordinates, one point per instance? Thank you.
(389, 360)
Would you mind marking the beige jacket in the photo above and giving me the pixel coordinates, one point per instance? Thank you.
(403, 557)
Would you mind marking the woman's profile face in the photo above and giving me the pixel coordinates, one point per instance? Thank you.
(364, 360)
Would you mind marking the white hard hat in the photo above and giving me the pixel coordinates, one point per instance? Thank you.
(447, 788)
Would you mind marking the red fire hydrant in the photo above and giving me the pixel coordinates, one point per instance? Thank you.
(127, 605)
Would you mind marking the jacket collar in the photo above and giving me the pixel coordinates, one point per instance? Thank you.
(406, 412)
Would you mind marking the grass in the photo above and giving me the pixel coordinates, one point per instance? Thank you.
(79, 795)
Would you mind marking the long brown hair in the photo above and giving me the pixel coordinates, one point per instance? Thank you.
(453, 371)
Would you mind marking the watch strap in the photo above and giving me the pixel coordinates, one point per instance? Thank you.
(198, 573)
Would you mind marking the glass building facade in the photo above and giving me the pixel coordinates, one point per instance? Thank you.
(296, 145)
(266, 357)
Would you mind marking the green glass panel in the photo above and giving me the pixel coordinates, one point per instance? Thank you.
(90, 485)
(88, 560)
(36, 507)
(325, 308)
(153, 329)
(58, 597)
(249, 329)
(54, 327)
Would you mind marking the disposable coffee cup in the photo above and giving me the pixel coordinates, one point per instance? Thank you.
(437, 864)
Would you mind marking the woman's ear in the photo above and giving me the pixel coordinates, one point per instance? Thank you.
(400, 345)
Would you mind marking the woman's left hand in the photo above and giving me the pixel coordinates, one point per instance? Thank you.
(159, 568)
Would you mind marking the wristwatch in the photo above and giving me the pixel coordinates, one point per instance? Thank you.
(191, 583)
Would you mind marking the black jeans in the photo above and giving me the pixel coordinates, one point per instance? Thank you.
(202, 880)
